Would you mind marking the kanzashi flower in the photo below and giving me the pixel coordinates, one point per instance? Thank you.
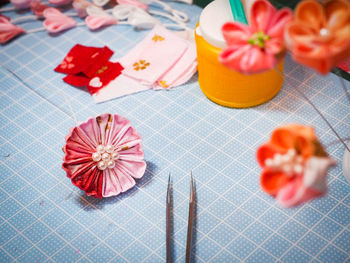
(319, 35)
(294, 165)
(259, 46)
(103, 155)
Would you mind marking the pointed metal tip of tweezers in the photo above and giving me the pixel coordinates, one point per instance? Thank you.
(168, 191)
(192, 189)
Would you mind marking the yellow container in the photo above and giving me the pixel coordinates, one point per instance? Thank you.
(229, 88)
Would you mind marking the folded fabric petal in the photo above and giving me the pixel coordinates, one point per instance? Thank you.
(294, 165)
(100, 3)
(96, 22)
(38, 8)
(135, 16)
(80, 7)
(59, 2)
(8, 30)
(55, 21)
(21, 4)
(318, 37)
(93, 159)
(261, 14)
(133, 3)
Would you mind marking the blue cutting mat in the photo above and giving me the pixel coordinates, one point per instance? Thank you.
(44, 218)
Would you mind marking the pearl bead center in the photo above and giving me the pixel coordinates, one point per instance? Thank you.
(105, 156)
(290, 163)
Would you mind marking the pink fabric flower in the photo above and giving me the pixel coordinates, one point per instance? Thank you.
(103, 155)
(259, 46)
(8, 30)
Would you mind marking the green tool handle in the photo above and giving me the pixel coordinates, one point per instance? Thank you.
(238, 11)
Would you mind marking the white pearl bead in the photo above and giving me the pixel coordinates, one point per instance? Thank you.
(324, 32)
(277, 158)
(106, 157)
(298, 169)
(102, 165)
(291, 152)
(287, 169)
(299, 159)
(110, 164)
(268, 162)
(115, 156)
(100, 148)
(285, 158)
(96, 156)
(109, 148)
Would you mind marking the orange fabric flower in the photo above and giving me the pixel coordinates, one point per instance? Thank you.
(319, 35)
(294, 165)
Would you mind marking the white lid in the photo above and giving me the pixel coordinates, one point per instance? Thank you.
(211, 20)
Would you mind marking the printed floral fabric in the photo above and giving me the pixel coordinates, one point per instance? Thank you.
(90, 67)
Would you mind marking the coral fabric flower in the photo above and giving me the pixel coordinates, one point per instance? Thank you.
(294, 165)
(103, 155)
(319, 35)
(259, 46)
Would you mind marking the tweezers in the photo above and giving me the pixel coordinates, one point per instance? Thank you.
(189, 222)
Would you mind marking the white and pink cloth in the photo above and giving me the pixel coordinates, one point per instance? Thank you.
(161, 61)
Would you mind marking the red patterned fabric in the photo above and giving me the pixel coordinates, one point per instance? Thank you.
(90, 67)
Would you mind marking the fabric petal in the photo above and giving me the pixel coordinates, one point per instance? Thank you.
(8, 30)
(125, 179)
(267, 151)
(278, 23)
(315, 175)
(134, 169)
(261, 13)
(134, 153)
(236, 33)
(310, 12)
(96, 22)
(295, 193)
(272, 181)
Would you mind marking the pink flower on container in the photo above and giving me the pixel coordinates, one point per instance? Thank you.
(104, 155)
(259, 46)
